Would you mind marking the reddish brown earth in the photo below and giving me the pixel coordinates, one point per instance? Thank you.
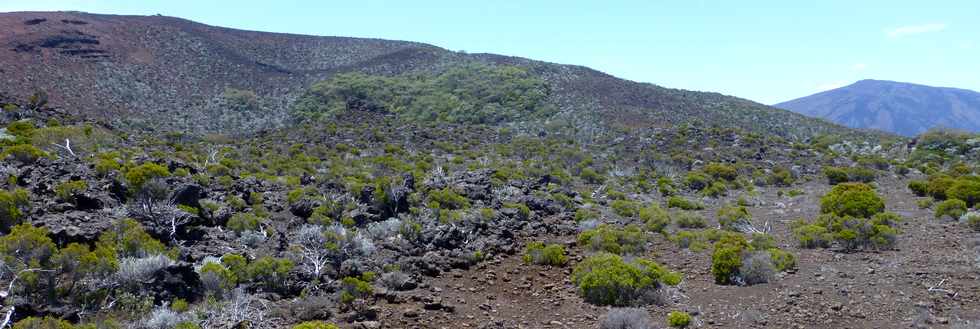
(830, 289)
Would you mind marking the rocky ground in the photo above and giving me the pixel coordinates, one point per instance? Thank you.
(929, 281)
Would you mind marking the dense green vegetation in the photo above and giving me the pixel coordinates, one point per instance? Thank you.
(471, 93)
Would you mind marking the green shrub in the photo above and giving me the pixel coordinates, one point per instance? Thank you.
(967, 190)
(269, 271)
(919, 188)
(687, 219)
(353, 288)
(727, 258)
(852, 199)
(762, 241)
(973, 221)
(812, 235)
(26, 246)
(46, 322)
(606, 279)
(628, 240)
(541, 254)
(782, 260)
(655, 218)
(523, 211)
(584, 214)
(850, 233)
(66, 191)
(13, 205)
(835, 175)
(448, 199)
(23, 153)
(925, 203)
(733, 218)
(665, 186)
(954, 208)
(861, 174)
(128, 238)
(721, 171)
(625, 208)
(682, 203)
(938, 185)
(315, 325)
(105, 166)
(686, 239)
(678, 319)
(139, 175)
(780, 176)
(716, 189)
(241, 222)
(696, 181)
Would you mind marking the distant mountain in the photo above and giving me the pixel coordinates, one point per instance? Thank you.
(165, 73)
(897, 107)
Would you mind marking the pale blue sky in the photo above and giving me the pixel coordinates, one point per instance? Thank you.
(768, 51)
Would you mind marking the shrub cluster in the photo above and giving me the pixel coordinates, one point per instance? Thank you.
(850, 233)
(852, 199)
(607, 238)
(738, 261)
(678, 319)
(607, 279)
(682, 203)
(13, 205)
(837, 175)
(539, 253)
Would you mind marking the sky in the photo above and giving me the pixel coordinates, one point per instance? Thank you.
(767, 51)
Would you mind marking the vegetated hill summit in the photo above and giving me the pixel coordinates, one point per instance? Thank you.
(164, 73)
(902, 108)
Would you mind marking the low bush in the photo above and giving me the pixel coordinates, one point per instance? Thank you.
(606, 279)
(737, 261)
(973, 221)
(727, 258)
(241, 222)
(696, 181)
(628, 240)
(13, 205)
(716, 189)
(23, 153)
(721, 171)
(448, 199)
(655, 218)
(315, 325)
(925, 203)
(837, 175)
(919, 187)
(682, 203)
(734, 218)
(937, 186)
(66, 191)
(687, 219)
(541, 254)
(143, 173)
(353, 288)
(850, 233)
(678, 319)
(626, 318)
(756, 268)
(625, 208)
(954, 208)
(967, 190)
(852, 199)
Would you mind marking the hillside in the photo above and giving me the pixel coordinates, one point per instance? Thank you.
(902, 108)
(182, 176)
(167, 73)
